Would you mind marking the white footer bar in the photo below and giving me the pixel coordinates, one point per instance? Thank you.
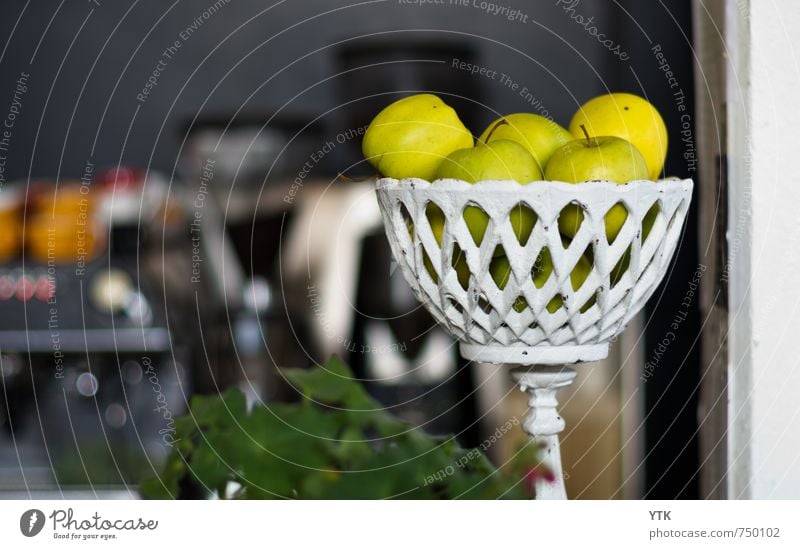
(400, 524)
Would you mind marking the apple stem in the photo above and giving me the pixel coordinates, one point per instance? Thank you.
(501, 122)
(348, 179)
(588, 139)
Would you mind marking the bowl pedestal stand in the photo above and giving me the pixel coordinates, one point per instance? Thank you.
(499, 335)
(543, 422)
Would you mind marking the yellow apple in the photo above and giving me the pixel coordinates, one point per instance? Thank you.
(540, 135)
(412, 136)
(629, 117)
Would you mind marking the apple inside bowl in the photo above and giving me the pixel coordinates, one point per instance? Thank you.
(489, 262)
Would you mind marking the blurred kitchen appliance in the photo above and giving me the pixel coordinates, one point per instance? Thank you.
(92, 375)
(247, 164)
(10, 212)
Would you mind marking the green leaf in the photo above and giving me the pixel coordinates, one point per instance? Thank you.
(210, 463)
(319, 448)
(375, 484)
(165, 484)
(328, 383)
(352, 448)
(213, 411)
(319, 484)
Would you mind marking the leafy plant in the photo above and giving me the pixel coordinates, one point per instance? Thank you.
(93, 463)
(336, 443)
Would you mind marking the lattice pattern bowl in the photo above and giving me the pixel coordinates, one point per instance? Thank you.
(513, 293)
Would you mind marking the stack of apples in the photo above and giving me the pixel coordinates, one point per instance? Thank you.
(618, 137)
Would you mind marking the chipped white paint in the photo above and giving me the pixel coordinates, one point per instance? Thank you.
(543, 422)
(481, 315)
(484, 317)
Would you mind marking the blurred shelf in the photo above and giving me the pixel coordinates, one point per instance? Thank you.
(77, 341)
(73, 494)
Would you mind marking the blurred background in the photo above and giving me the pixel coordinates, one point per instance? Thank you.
(184, 210)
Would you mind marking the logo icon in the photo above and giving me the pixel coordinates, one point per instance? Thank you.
(31, 522)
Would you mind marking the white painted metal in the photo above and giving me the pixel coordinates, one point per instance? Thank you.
(484, 317)
(481, 315)
(543, 422)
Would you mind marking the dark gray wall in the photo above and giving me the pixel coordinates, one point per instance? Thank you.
(89, 68)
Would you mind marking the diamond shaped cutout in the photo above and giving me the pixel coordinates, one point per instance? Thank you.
(542, 268)
(522, 220)
(477, 221)
(615, 219)
(436, 220)
(520, 304)
(500, 268)
(621, 267)
(409, 222)
(589, 302)
(555, 304)
(455, 304)
(426, 260)
(582, 269)
(459, 263)
(675, 217)
(570, 219)
(649, 220)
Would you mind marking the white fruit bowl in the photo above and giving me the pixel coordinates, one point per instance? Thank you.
(489, 321)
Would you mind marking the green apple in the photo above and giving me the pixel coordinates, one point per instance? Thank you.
(437, 220)
(621, 267)
(429, 267)
(627, 116)
(522, 220)
(649, 220)
(616, 271)
(410, 137)
(499, 160)
(459, 264)
(605, 158)
(500, 271)
(476, 219)
(462, 269)
(540, 135)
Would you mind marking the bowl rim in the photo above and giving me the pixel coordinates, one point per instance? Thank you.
(534, 187)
